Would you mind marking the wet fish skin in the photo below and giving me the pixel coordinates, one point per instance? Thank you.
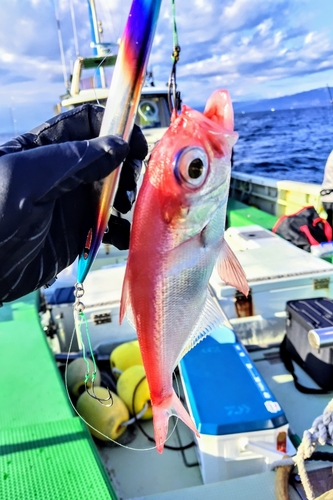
(176, 239)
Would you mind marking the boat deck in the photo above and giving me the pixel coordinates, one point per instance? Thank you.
(182, 481)
(239, 214)
(47, 452)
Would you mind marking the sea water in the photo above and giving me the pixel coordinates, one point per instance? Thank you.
(291, 144)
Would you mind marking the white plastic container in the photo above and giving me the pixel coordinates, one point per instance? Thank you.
(238, 455)
(277, 271)
(102, 303)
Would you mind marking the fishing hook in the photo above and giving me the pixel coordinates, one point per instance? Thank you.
(79, 308)
(93, 395)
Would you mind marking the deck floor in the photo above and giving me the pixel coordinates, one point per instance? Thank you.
(300, 409)
(142, 474)
(138, 473)
(45, 452)
(34, 402)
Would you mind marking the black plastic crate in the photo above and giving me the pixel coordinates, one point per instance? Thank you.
(303, 316)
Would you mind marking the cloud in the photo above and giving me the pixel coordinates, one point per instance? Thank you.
(254, 48)
(242, 14)
(248, 43)
(12, 78)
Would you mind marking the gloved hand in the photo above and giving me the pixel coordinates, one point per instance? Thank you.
(50, 180)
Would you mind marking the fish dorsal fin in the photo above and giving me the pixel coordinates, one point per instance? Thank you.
(219, 109)
(210, 319)
(230, 270)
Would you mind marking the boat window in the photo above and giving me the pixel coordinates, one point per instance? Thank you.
(153, 112)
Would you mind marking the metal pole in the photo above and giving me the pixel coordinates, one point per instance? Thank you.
(95, 35)
(76, 43)
(61, 46)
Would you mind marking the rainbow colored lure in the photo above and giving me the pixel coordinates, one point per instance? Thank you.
(121, 107)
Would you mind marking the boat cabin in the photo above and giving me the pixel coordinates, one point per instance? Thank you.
(153, 114)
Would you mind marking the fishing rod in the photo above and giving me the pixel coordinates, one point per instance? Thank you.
(121, 107)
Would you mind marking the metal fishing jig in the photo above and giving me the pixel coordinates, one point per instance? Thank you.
(121, 106)
(118, 119)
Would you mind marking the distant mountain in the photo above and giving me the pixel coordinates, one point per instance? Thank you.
(310, 99)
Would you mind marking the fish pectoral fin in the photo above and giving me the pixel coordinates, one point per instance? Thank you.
(124, 301)
(125, 306)
(230, 270)
(210, 318)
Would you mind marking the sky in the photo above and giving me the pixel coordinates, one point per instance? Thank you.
(254, 48)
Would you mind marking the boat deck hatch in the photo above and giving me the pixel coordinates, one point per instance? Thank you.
(252, 235)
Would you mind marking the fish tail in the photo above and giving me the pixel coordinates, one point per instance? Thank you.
(161, 415)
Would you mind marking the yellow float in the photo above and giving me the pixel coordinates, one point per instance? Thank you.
(76, 373)
(105, 421)
(133, 380)
(124, 356)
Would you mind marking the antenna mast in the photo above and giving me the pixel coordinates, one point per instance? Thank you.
(61, 46)
(96, 41)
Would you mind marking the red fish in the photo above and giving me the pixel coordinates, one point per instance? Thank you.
(176, 239)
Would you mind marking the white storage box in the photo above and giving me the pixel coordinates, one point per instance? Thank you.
(102, 302)
(242, 427)
(277, 271)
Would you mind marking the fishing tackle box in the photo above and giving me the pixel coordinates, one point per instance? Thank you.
(309, 338)
(241, 424)
(277, 272)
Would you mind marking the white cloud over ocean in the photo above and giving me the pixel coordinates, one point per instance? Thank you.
(255, 48)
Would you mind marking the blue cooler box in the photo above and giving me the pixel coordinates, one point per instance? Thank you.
(239, 420)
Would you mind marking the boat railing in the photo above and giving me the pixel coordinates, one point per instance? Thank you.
(276, 197)
(82, 63)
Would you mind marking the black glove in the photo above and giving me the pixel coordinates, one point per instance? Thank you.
(49, 195)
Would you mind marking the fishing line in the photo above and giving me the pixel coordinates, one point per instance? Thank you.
(96, 76)
(82, 418)
(135, 417)
(174, 100)
(108, 15)
(152, 439)
(61, 45)
(81, 319)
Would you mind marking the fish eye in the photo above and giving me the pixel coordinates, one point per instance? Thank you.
(191, 166)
